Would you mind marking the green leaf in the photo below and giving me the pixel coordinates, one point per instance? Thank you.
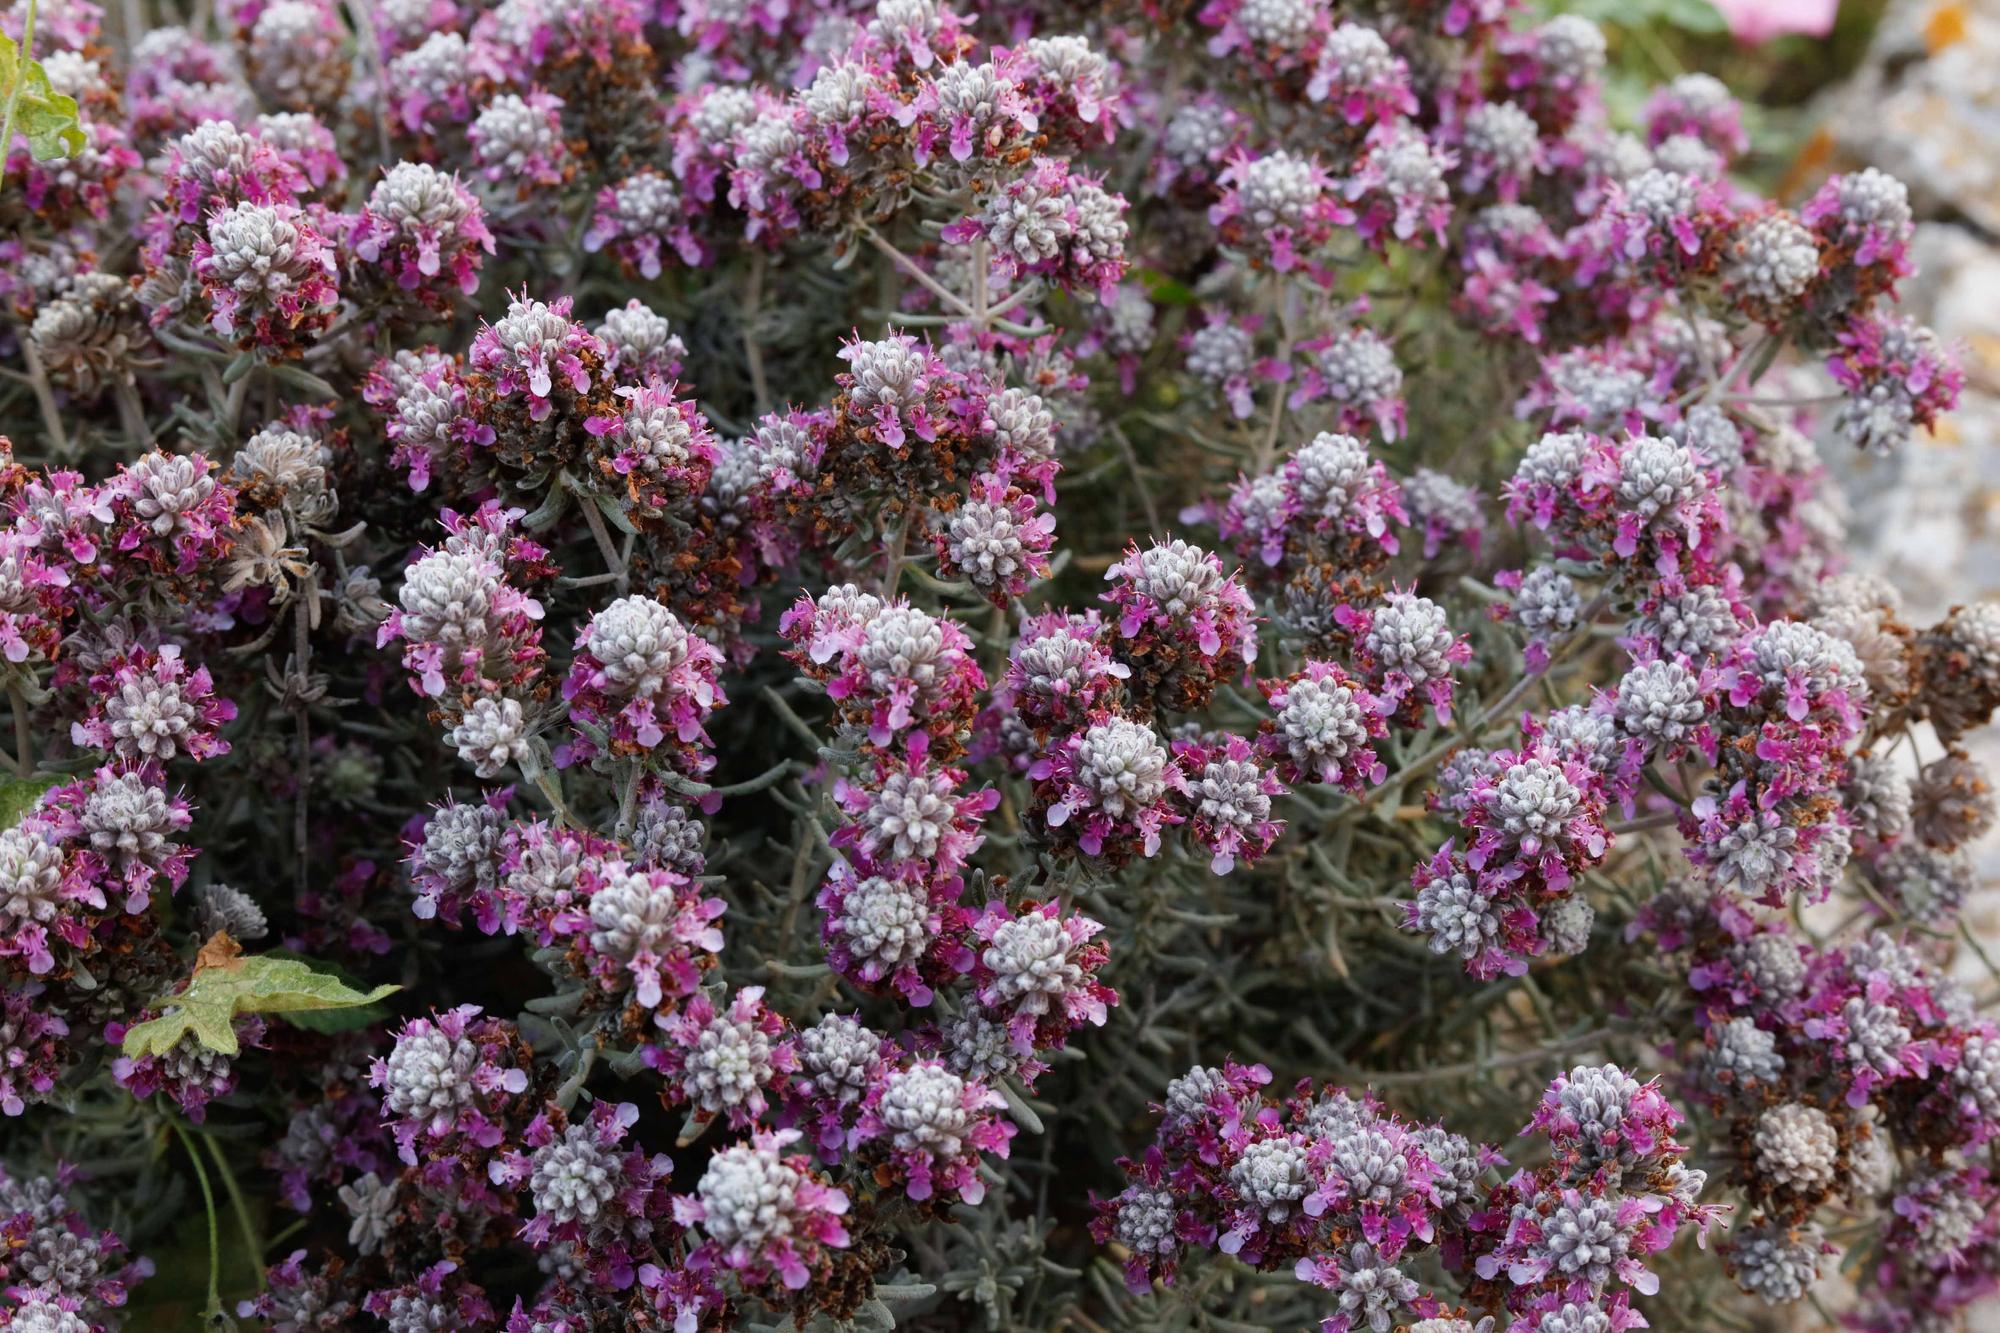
(1163, 290)
(329, 1021)
(45, 117)
(1696, 16)
(19, 795)
(226, 984)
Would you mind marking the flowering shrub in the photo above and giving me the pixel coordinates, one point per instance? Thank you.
(705, 665)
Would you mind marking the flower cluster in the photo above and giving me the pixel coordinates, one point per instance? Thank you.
(589, 578)
(1574, 1236)
(1184, 626)
(1337, 1188)
(642, 683)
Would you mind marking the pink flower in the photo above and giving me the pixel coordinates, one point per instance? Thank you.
(1754, 21)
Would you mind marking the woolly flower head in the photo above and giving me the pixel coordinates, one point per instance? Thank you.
(1273, 1177)
(1229, 799)
(36, 894)
(1877, 796)
(1660, 495)
(269, 277)
(652, 931)
(1797, 1146)
(1184, 625)
(890, 666)
(1774, 1263)
(1741, 1054)
(1280, 206)
(1221, 354)
(1795, 670)
(1898, 376)
(1053, 223)
(1663, 703)
(1037, 972)
(1447, 509)
(1539, 814)
(1772, 262)
(893, 388)
(1546, 604)
(1110, 787)
(518, 140)
(884, 923)
(1697, 104)
(1402, 185)
(129, 821)
(1060, 669)
(1953, 802)
(975, 107)
(1670, 221)
(639, 343)
(455, 862)
(1961, 668)
(839, 1059)
(642, 682)
(1697, 623)
(91, 336)
(1323, 728)
(532, 350)
(1360, 75)
(1502, 146)
(1409, 650)
(152, 707)
(594, 1196)
(450, 1080)
(766, 1210)
(1864, 223)
(1570, 48)
(1279, 24)
(426, 231)
(723, 1061)
(909, 813)
(1460, 917)
(215, 163)
(934, 1125)
(1355, 368)
(998, 540)
(1334, 483)
(279, 464)
(635, 216)
(464, 622)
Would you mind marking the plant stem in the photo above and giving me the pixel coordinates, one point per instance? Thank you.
(753, 352)
(605, 547)
(369, 44)
(982, 262)
(1155, 527)
(27, 53)
(24, 738)
(208, 1201)
(690, 787)
(1267, 446)
(240, 1206)
(892, 557)
(628, 800)
(911, 267)
(45, 399)
(1467, 1068)
(132, 416)
(546, 784)
(301, 712)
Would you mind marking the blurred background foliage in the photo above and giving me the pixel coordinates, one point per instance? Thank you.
(1778, 79)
